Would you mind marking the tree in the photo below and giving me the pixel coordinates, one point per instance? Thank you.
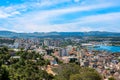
(4, 74)
(66, 70)
(111, 78)
(89, 74)
(74, 72)
(75, 77)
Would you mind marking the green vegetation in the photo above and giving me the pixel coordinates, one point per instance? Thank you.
(31, 66)
(111, 78)
(74, 72)
(27, 67)
(4, 75)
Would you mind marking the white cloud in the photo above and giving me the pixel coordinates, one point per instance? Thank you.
(39, 19)
(74, 9)
(108, 17)
(47, 15)
(1, 28)
(40, 22)
(13, 10)
(6, 12)
(5, 29)
(3, 15)
(18, 9)
(15, 13)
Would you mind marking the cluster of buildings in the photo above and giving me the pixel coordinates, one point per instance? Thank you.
(105, 63)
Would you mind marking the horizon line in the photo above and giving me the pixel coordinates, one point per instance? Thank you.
(57, 31)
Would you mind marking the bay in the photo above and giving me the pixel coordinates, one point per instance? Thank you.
(108, 48)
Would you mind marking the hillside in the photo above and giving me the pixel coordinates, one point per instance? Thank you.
(57, 34)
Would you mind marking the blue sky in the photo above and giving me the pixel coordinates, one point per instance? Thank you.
(60, 15)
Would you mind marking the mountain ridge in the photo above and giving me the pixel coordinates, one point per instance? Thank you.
(12, 34)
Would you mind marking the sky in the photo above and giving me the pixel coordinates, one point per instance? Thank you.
(60, 15)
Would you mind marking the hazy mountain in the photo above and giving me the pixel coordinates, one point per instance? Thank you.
(57, 34)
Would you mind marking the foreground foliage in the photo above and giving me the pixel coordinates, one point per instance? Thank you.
(30, 66)
(27, 67)
(74, 72)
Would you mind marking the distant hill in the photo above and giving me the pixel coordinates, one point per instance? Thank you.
(57, 34)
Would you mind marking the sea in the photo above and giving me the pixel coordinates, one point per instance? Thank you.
(112, 49)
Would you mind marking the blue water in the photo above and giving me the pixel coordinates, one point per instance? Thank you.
(108, 48)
